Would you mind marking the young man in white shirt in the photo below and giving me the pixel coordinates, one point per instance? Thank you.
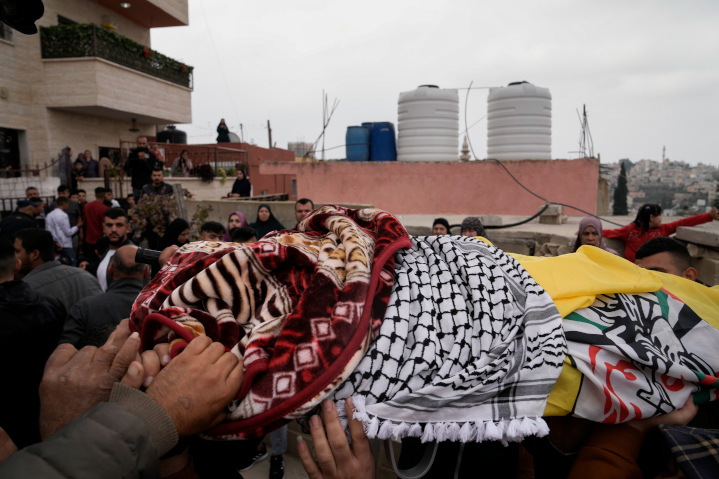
(57, 223)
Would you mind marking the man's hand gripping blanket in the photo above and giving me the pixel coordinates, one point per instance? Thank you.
(300, 308)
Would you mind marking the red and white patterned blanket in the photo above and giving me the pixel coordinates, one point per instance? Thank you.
(300, 308)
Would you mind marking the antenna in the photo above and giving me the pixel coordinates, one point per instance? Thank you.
(586, 144)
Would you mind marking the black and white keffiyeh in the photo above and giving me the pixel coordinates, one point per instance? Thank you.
(469, 349)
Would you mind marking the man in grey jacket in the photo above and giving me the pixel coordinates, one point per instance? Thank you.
(96, 423)
(35, 250)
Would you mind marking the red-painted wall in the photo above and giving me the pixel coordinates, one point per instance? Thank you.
(477, 187)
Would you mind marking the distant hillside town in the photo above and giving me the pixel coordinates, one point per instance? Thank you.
(680, 188)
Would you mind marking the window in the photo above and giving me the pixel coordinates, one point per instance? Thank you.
(5, 32)
(294, 187)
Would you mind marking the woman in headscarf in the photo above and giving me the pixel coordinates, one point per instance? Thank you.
(266, 222)
(178, 233)
(241, 187)
(648, 225)
(590, 234)
(440, 227)
(236, 220)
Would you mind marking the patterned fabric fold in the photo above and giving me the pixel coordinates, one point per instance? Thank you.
(640, 355)
(300, 308)
(469, 349)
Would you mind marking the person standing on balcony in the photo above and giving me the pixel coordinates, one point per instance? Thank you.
(65, 166)
(140, 163)
(223, 133)
(92, 166)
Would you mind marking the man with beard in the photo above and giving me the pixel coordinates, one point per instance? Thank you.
(97, 312)
(35, 249)
(115, 227)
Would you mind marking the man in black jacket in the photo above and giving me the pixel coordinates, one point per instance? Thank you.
(112, 306)
(21, 218)
(30, 326)
(140, 163)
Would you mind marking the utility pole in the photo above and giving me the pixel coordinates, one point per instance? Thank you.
(269, 132)
(664, 152)
(242, 134)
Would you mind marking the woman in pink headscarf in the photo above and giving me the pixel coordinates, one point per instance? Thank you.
(236, 220)
(590, 234)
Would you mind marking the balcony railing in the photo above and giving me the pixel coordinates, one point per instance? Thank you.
(83, 40)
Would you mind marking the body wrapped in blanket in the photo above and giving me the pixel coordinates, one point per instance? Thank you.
(441, 337)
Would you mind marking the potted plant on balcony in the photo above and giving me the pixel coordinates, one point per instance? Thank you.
(205, 173)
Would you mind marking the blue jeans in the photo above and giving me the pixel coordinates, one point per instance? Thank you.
(278, 441)
(69, 254)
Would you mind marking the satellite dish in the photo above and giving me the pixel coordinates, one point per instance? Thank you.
(233, 137)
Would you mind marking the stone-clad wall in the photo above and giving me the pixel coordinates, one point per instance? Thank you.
(44, 132)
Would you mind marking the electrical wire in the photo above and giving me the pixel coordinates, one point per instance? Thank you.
(497, 227)
(469, 140)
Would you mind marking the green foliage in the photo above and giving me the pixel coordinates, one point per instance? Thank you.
(87, 40)
(223, 174)
(620, 194)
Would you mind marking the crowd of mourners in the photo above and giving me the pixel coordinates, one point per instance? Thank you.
(79, 395)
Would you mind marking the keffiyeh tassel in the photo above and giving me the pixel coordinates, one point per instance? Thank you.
(505, 430)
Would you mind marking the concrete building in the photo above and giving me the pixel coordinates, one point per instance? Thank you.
(83, 80)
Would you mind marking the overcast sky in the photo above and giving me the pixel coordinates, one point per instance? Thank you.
(648, 71)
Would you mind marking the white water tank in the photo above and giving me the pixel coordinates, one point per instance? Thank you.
(428, 125)
(519, 122)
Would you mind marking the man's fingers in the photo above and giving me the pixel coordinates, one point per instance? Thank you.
(322, 448)
(134, 375)
(335, 433)
(151, 365)
(197, 345)
(227, 362)
(360, 444)
(121, 333)
(62, 354)
(213, 353)
(308, 462)
(124, 357)
(220, 417)
(235, 378)
(163, 352)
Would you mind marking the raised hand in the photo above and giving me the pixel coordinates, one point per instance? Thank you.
(335, 458)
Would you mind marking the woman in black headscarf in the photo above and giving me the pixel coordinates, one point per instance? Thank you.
(266, 222)
(241, 187)
(178, 233)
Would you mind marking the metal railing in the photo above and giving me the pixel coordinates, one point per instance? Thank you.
(89, 40)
